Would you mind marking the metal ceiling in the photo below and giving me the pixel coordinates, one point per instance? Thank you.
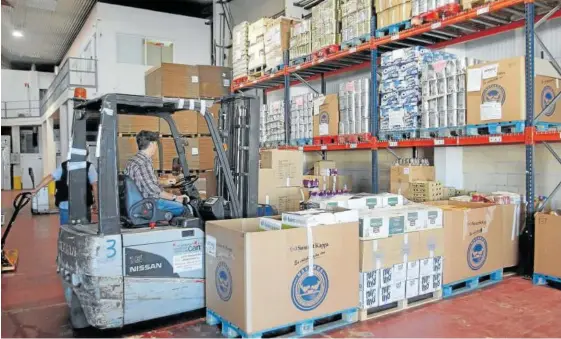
(48, 27)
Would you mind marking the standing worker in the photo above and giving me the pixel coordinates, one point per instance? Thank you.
(60, 176)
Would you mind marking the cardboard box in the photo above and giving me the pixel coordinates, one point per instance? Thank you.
(496, 91)
(287, 167)
(318, 217)
(547, 249)
(421, 191)
(270, 223)
(188, 81)
(206, 184)
(412, 288)
(189, 122)
(284, 199)
(324, 167)
(401, 178)
(243, 266)
(369, 284)
(200, 153)
(326, 119)
(413, 270)
(127, 148)
(384, 253)
(473, 239)
(135, 123)
(328, 183)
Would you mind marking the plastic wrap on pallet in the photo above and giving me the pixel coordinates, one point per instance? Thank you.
(300, 39)
(256, 39)
(272, 129)
(277, 39)
(301, 114)
(354, 103)
(240, 46)
(355, 18)
(325, 24)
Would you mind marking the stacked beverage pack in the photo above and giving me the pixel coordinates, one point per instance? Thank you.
(240, 55)
(444, 92)
(256, 40)
(355, 20)
(272, 131)
(300, 39)
(325, 24)
(354, 106)
(400, 87)
(301, 114)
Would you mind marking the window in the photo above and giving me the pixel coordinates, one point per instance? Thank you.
(137, 50)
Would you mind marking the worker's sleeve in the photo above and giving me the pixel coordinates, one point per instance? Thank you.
(153, 185)
(57, 173)
(92, 175)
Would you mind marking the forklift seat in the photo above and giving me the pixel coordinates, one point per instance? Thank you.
(139, 211)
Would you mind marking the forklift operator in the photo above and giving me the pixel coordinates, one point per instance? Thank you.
(60, 176)
(141, 170)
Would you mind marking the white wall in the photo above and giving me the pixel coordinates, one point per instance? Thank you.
(190, 38)
(13, 84)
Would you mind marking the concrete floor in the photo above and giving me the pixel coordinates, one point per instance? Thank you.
(33, 302)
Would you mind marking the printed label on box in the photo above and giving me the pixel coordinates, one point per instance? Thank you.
(412, 288)
(385, 296)
(399, 272)
(210, 245)
(425, 284)
(398, 291)
(426, 266)
(194, 151)
(194, 79)
(386, 276)
(413, 270)
(491, 110)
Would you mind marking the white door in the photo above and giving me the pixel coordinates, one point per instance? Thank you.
(35, 162)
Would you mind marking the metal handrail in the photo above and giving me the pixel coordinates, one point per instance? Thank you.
(74, 72)
(21, 109)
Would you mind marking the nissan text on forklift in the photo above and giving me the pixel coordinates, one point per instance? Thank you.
(136, 263)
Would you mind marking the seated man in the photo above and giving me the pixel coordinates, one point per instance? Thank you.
(140, 169)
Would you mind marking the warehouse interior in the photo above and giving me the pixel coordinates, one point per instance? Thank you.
(300, 168)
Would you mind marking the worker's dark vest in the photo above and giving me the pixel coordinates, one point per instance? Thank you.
(62, 186)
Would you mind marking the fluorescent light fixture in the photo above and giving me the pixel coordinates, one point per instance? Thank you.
(17, 34)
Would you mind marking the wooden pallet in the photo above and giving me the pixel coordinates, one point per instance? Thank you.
(294, 330)
(399, 135)
(495, 128)
(393, 29)
(398, 306)
(472, 284)
(257, 72)
(300, 60)
(544, 279)
(359, 40)
(325, 51)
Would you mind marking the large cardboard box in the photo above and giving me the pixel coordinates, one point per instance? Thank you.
(386, 252)
(199, 153)
(188, 81)
(324, 167)
(473, 239)
(548, 245)
(189, 122)
(326, 119)
(287, 166)
(513, 215)
(136, 123)
(251, 272)
(401, 178)
(496, 91)
(127, 148)
(284, 199)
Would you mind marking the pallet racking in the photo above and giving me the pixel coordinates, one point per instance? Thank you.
(489, 19)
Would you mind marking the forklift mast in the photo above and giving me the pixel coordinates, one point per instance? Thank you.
(104, 110)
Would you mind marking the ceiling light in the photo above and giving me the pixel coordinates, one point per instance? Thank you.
(17, 34)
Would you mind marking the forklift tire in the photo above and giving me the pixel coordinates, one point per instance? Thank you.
(77, 317)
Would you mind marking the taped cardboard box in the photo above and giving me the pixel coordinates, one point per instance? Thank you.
(189, 122)
(319, 217)
(326, 117)
(243, 266)
(324, 167)
(127, 148)
(473, 239)
(496, 91)
(286, 167)
(135, 123)
(547, 249)
(199, 153)
(284, 199)
(401, 178)
(380, 253)
(328, 183)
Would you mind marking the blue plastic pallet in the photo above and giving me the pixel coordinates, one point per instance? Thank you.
(275, 69)
(392, 29)
(471, 284)
(442, 132)
(398, 135)
(301, 142)
(359, 40)
(300, 60)
(301, 328)
(495, 128)
(542, 279)
(547, 126)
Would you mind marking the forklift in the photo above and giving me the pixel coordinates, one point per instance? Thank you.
(138, 263)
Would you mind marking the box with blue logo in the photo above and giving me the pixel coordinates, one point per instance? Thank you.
(473, 239)
(259, 280)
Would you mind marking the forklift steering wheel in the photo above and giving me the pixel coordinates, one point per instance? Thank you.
(186, 181)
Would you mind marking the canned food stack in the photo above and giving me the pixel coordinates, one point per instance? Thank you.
(325, 24)
(256, 39)
(300, 39)
(277, 40)
(444, 92)
(355, 18)
(240, 56)
(354, 104)
(390, 12)
(301, 113)
(272, 124)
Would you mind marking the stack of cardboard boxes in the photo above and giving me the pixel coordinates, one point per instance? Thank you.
(256, 50)
(325, 181)
(354, 106)
(421, 191)
(389, 12)
(277, 40)
(355, 19)
(547, 249)
(240, 57)
(326, 115)
(402, 178)
(300, 39)
(496, 91)
(325, 24)
(280, 179)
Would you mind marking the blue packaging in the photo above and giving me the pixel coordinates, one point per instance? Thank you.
(391, 72)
